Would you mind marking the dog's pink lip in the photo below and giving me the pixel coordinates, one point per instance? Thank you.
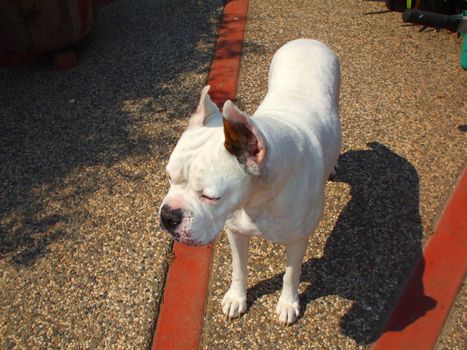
(190, 242)
(193, 242)
(187, 240)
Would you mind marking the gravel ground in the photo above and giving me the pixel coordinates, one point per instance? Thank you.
(403, 119)
(453, 335)
(82, 156)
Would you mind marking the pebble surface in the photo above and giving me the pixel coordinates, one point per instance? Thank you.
(82, 158)
(402, 111)
(453, 335)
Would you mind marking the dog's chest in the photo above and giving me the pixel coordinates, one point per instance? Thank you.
(264, 225)
(241, 222)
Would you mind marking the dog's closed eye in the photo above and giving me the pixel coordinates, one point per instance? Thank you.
(209, 198)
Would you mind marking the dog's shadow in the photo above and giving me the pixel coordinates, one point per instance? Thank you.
(373, 246)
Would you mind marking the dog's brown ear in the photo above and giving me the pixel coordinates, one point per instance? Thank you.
(243, 139)
(205, 109)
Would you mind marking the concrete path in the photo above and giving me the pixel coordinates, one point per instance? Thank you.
(82, 261)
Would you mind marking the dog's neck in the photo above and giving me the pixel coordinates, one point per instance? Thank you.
(276, 170)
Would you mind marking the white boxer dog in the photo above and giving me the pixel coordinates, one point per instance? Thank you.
(262, 175)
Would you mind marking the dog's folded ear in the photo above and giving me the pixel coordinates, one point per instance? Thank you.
(243, 139)
(206, 108)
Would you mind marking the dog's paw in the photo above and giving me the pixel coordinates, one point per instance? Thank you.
(288, 311)
(233, 303)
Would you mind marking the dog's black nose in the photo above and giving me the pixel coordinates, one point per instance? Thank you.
(171, 218)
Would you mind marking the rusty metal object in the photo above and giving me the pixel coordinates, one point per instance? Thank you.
(39, 26)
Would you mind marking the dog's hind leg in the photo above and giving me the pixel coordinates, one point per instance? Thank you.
(234, 301)
(288, 307)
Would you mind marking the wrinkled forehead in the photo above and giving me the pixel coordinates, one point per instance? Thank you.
(179, 164)
(193, 146)
(200, 158)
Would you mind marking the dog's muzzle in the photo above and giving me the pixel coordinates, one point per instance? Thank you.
(171, 219)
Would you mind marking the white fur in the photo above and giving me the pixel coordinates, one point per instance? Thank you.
(299, 125)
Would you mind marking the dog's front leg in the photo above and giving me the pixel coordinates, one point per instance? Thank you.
(288, 307)
(234, 301)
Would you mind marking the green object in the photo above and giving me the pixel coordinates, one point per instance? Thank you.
(464, 46)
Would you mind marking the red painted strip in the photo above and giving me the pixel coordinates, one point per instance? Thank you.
(181, 314)
(416, 322)
(225, 66)
(182, 309)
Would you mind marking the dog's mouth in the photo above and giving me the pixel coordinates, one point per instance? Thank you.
(182, 234)
(185, 238)
(190, 242)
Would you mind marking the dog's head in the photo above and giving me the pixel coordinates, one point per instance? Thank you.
(211, 172)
